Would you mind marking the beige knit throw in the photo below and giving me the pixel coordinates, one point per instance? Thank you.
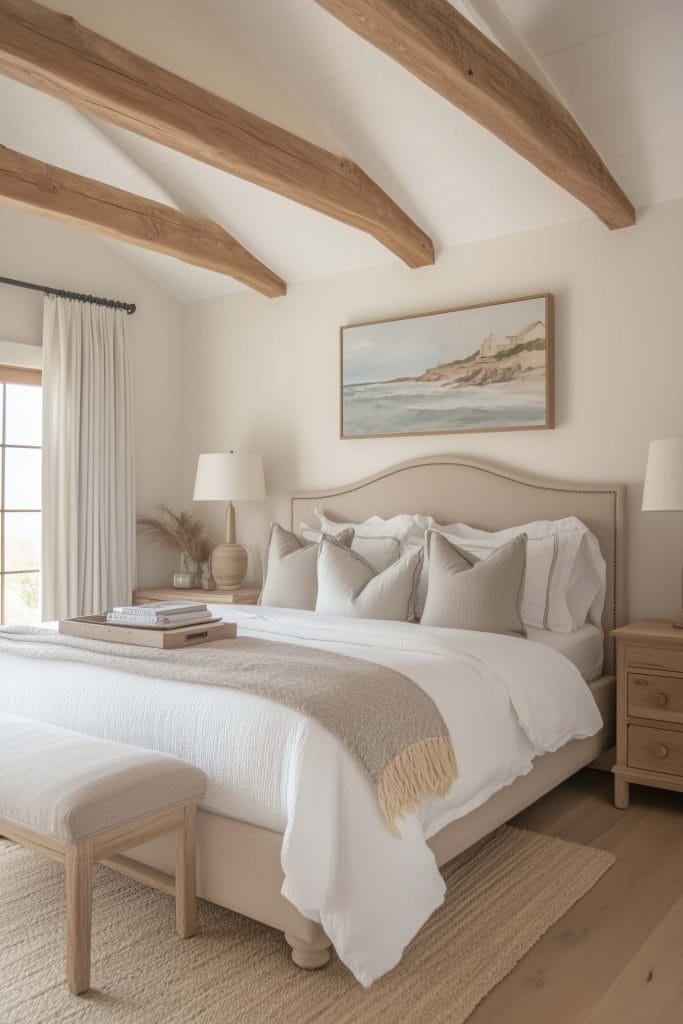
(389, 724)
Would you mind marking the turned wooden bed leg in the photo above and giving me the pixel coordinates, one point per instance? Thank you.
(309, 955)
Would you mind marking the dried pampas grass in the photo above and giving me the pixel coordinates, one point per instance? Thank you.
(181, 530)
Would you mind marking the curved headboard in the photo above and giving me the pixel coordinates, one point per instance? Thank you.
(454, 489)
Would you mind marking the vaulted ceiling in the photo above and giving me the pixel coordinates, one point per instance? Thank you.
(614, 63)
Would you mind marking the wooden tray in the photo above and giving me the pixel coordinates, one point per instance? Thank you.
(96, 627)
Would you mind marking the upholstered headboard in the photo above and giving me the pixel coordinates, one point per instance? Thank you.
(453, 489)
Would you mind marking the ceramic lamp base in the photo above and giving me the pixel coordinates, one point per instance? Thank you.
(228, 566)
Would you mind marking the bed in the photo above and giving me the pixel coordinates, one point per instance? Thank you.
(242, 850)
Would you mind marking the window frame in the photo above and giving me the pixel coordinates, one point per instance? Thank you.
(34, 378)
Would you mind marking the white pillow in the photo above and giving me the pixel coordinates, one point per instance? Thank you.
(398, 526)
(348, 585)
(380, 552)
(565, 576)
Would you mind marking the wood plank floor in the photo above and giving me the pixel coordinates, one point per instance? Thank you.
(617, 956)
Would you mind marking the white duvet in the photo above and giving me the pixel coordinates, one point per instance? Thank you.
(504, 700)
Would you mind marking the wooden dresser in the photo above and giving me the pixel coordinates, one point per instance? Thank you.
(649, 707)
(244, 595)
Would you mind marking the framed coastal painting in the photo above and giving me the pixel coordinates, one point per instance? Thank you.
(485, 367)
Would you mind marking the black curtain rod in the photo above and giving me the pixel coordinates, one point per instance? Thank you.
(129, 307)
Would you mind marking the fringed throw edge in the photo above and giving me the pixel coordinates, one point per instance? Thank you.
(424, 769)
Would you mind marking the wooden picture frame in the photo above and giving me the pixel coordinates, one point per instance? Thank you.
(469, 369)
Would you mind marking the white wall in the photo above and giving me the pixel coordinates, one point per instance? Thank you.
(262, 375)
(35, 249)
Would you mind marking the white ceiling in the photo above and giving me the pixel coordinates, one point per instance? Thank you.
(616, 63)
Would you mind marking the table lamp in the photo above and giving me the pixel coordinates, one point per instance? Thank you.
(229, 476)
(663, 490)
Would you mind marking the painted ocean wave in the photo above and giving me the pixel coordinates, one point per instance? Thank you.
(411, 406)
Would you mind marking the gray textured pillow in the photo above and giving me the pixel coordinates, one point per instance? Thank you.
(348, 585)
(291, 574)
(464, 592)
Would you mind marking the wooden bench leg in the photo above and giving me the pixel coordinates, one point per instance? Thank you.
(79, 858)
(186, 875)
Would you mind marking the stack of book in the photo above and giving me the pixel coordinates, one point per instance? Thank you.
(162, 615)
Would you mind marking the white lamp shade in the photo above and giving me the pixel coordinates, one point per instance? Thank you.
(229, 476)
(663, 490)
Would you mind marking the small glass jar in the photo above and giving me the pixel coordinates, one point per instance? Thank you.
(189, 568)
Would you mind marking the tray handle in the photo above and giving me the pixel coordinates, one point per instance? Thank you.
(193, 638)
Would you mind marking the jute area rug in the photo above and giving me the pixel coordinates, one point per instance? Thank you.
(503, 895)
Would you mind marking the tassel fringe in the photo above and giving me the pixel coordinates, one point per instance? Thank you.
(425, 769)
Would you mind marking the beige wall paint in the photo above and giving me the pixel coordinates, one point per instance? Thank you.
(49, 253)
(262, 375)
(13, 353)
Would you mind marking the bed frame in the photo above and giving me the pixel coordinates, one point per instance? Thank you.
(239, 864)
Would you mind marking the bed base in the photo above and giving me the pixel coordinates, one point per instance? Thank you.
(239, 864)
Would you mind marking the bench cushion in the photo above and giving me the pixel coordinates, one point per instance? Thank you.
(72, 786)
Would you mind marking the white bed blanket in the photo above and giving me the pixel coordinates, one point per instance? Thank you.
(504, 700)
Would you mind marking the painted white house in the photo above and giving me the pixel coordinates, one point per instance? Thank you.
(490, 348)
(534, 331)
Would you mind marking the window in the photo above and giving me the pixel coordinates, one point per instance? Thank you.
(20, 494)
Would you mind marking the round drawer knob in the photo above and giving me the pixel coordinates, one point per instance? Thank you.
(662, 700)
(660, 750)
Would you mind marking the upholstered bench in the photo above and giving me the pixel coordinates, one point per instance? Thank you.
(79, 800)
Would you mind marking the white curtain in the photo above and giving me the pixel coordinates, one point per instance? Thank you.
(88, 483)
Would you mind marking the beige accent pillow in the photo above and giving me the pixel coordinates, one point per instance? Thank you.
(464, 592)
(348, 585)
(380, 552)
(291, 574)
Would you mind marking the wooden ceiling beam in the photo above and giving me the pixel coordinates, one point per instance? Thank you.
(447, 52)
(73, 199)
(56, 54)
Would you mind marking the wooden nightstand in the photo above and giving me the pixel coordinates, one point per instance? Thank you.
(148, 595)
(649, 707)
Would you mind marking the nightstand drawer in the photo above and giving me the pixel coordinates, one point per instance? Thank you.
(654, 658)
(655, 750)
(657, 697)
